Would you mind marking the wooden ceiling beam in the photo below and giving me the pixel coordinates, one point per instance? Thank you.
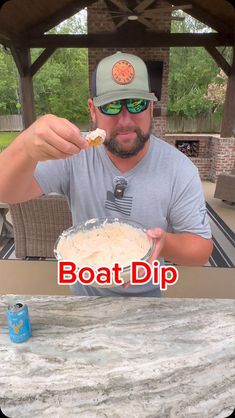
(120, 40)
(38, 63)
(205, 17)
(219, 59)
(71, 9)
(22, 59)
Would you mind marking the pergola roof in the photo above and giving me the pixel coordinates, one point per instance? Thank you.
(23, 24)
(21, 19)
(18, 17)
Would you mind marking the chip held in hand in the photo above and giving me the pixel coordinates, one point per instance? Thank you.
(96, 137)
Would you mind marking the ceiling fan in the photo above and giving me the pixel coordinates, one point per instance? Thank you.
(141, 12)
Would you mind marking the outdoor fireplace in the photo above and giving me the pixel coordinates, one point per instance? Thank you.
(189, 148)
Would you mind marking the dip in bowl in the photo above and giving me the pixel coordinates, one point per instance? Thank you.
(102, 242)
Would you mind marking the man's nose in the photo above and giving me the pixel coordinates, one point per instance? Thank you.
(124, 116)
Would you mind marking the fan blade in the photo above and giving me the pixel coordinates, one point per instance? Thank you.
(120, 14)
(124, 20)
(120, 5)
(145, 22)
(142, 6)
(155, 12)
(113, 13)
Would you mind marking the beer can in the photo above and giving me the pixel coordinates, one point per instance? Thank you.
(18, 323)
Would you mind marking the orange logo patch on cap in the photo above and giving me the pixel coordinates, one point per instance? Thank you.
(123, 72)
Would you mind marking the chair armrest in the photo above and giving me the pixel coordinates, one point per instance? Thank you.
(40, 223)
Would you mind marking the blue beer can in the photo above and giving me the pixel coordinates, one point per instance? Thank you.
(18, 323)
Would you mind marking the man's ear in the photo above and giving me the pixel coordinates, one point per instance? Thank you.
(92, 110)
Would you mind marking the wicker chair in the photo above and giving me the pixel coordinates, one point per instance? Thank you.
(37, 224)
(225, 187)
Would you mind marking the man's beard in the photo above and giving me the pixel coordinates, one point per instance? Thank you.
(113, 146)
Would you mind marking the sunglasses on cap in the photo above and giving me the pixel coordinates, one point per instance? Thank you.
(133, 106)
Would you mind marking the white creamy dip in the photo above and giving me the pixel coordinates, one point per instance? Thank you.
(103, 246)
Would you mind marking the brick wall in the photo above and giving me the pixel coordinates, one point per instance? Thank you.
(105, 24)
(216, 155)
(222, 152)
(204, 159)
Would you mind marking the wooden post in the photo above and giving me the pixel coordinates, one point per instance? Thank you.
(27, 100)
(22, 59)
(228, 122)
(26, 71)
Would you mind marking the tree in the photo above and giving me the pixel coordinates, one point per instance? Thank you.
(191, 71)
(61, 86)
(9, 88)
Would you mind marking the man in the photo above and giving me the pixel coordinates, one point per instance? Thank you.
(160, 186)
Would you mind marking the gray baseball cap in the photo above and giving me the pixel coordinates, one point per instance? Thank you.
(121, 76)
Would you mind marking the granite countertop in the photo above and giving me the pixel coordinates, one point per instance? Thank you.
(120, 357)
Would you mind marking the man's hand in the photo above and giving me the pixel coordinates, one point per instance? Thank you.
(159, 237)
(49, 138)
(182, 249)
(52, 138)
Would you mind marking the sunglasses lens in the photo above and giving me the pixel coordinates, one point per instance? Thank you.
(112, 108)
(137, 105)
(133, 105)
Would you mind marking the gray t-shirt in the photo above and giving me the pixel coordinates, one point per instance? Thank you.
(163, 190)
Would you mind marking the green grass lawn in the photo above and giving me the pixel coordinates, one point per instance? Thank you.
(6, 138)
